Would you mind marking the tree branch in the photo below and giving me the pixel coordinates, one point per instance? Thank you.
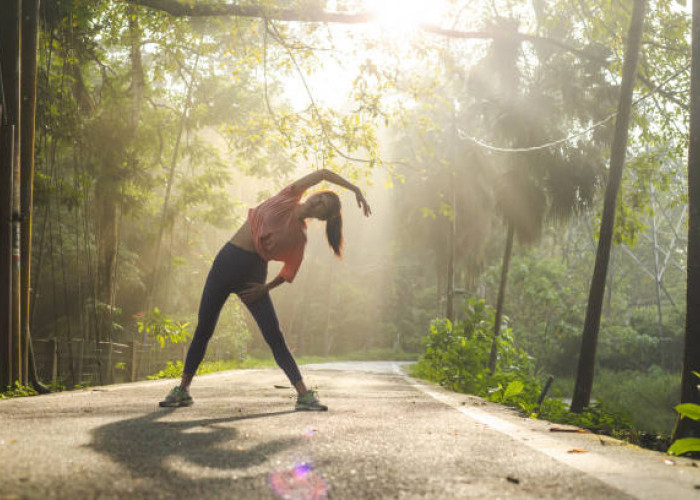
(178, 9)
(311, 15)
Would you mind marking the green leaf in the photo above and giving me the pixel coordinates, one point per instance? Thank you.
(513, 389)
(685, 445)
(689, 410)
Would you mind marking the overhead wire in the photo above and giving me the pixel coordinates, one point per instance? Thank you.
(465, 137)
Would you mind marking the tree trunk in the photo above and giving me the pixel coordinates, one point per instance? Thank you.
(107, 196)
(30, 34)
(607, 310)
(106, 224)
(168, 190)
(584, 377)
(439, 273)
(6, 143)
(501, 298)
(10, 47)
(450, 277)
(450, 303)
(691, 357)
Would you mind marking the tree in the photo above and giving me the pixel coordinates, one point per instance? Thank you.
(586, 364)
(9, 64)
(30, 35)
(686, 427)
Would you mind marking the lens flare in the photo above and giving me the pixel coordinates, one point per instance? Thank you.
(300, 482)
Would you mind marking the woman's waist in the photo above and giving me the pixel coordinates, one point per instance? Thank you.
(243, 239)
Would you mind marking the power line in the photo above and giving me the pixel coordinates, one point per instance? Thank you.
(465, 137)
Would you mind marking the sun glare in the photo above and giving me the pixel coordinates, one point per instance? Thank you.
(406, 15)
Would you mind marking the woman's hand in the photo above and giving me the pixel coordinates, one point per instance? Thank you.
(253, 293)
(362, 203)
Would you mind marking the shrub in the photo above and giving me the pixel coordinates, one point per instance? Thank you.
(457, 355)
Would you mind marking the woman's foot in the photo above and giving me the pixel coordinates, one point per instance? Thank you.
(309, 402)
(176, 398)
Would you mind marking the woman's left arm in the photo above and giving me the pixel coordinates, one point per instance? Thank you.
(257, 290)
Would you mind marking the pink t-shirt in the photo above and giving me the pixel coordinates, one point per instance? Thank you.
(278, 234)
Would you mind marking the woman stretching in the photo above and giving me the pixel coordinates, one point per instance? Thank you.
(275, 230)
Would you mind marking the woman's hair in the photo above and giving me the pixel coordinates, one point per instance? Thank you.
(334, 224)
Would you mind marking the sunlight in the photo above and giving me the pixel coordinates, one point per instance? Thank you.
(402, 16)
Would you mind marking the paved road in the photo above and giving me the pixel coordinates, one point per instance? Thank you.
(386, 436)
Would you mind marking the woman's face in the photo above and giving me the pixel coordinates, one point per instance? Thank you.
(320, 206)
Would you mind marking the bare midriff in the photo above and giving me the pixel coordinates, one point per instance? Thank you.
(243, 238)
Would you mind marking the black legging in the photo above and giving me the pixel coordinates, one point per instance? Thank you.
(232, 270)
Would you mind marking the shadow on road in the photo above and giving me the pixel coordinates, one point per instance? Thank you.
(161, 451)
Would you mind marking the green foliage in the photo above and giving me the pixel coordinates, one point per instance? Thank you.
(689, 410)
(597, 417)
(18, 391)
(503, 395)
(57, 386)
(687, 445)
(163, 328)
(457, 355)
(684, 445)
(171, 370)
(646, 396)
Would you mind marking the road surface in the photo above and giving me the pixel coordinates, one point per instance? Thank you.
(385, 436)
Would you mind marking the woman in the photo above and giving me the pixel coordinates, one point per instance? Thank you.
(275, 230)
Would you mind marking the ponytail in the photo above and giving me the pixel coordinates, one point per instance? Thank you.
(334, 233)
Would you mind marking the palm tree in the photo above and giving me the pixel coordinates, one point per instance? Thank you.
(534, 183)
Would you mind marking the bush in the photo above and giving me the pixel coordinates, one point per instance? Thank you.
(646, 397)
(457, 355)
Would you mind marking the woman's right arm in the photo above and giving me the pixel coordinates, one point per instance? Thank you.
(324, 174)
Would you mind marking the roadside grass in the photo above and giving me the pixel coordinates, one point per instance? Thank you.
(174, 369)
(616, 409)
(636, 406)
(647, 398)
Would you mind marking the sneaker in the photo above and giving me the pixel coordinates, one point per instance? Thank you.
(309, 402)
(176, 398)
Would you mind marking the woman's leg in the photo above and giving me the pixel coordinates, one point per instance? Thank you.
(213, 300)
(223, 273)
(264, 313)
